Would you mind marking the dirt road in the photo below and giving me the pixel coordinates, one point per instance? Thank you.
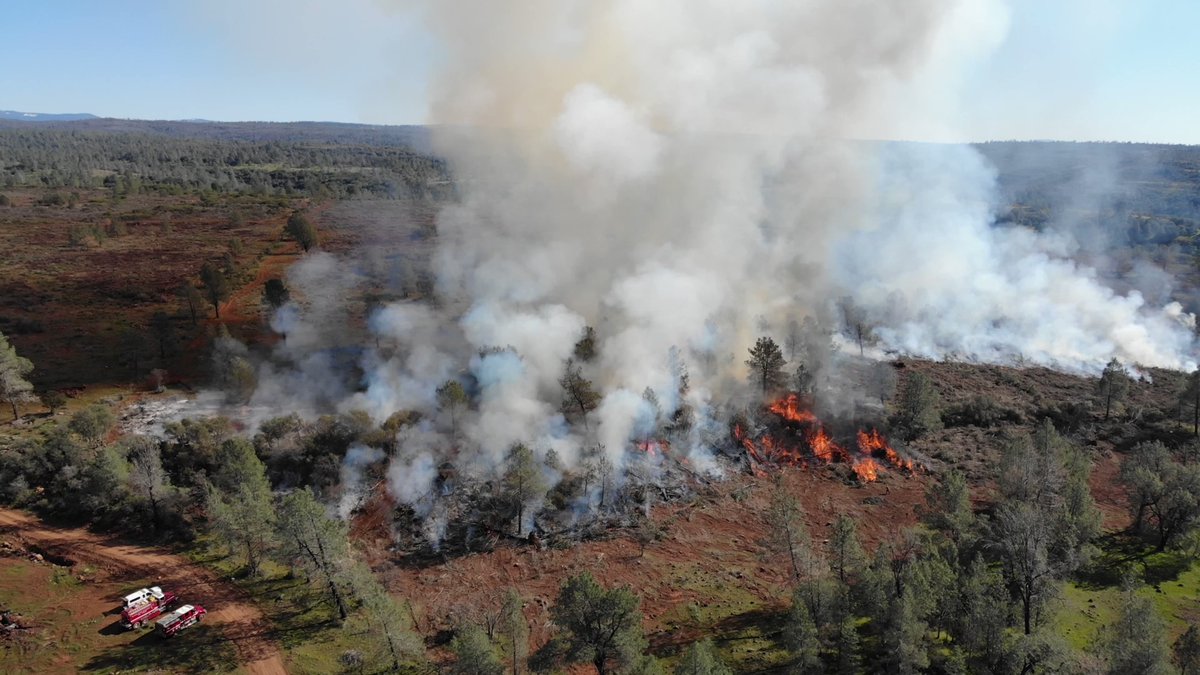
(242, 622)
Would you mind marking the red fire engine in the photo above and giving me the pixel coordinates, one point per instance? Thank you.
(143, 613)
(179, 619)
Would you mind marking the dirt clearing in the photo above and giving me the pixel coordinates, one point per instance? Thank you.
(232, 618)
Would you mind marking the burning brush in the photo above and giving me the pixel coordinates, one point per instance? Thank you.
(800, 439)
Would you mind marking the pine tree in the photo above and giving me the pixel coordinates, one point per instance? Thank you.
(801, 637)
(318, 543)
(300, 228)
(700, 658)
(239, 502)
(598, 625)
(452, 400)
(918, 408)
(786, 533)
(474, 654)
(523, 481)
(579, 394)
(216, 286)
(766, 365)
(514, 630)
(1113, 385)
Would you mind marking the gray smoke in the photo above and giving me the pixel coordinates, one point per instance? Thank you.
(678, 175)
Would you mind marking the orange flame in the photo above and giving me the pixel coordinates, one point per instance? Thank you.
(789, 409)
(824, 448)
(873, 444)
(653, 447)
(867, 470)
(765, 450)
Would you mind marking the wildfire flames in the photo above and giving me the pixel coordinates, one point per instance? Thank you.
(817, 445)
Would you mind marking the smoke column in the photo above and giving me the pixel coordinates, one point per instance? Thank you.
(681, 176)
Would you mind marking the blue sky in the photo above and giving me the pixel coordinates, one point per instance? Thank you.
(1069, 69)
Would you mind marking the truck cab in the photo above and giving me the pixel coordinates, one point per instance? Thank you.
(141, 596)
(145, 612)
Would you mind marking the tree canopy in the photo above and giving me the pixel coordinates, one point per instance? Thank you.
(14, 388)
(766, 364)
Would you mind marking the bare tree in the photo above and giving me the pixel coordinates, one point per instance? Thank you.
(146, 474)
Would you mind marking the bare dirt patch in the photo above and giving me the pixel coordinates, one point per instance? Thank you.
(232, 617)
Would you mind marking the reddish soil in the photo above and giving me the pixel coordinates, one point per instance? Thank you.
(710, 557)
(68, 307)
(241, 621)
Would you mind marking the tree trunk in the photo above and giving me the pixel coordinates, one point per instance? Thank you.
(16, 413)
(1196, 414)
(154, 510)
(1027, 611)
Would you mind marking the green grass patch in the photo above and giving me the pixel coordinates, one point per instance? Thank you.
(303, 623)
(1170, 580)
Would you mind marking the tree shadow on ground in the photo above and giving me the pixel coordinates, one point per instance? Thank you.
(1123, 554)
(200, 649)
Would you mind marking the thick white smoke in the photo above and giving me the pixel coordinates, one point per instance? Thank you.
(680, 175)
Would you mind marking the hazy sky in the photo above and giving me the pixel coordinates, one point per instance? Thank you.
(1068, 69)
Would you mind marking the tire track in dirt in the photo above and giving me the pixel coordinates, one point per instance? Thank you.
(239, 619)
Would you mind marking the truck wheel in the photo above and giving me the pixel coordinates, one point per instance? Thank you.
(137, 625)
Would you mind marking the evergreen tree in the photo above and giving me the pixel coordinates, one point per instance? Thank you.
(904, 646)
(452, 400)
(276, 293)
(300, 228)
(786, 533)
(385, 621)
(598, 625)
(801, 637)
(239, 502)
(474, 654)
(948, 508)
(192, 298)
(1112, 386)
(523, 482)
(216, 286)
(766, 365)
(918, 408)
(700, 658)
(319, 544)
(1190, 397)
(579, 394)
(585, 348)
(164, 333)
(514, 630)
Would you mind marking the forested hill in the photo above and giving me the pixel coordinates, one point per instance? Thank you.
(1131, 193)
(314, 159)
(415, 138)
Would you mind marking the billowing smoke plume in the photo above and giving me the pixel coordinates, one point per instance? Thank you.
(681, 176)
